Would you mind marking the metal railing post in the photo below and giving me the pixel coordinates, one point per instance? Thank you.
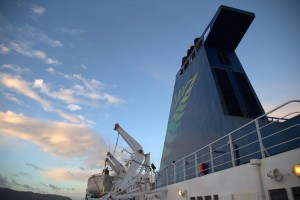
(196, 165)
(184, 174)
(211, 158)
(231, 150)
(167, 178)
(174, 172)
(260, 140)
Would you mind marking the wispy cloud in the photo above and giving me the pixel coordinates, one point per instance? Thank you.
(15, 182)
(70, 31)
(17, 84)
(55, 187)
(25, 50)
(4, 182)
(38, 10)
(30, 33)
(56, 138)
(25, 174)
(4, 49)
(83, 90)
(83, 66)
(61, 174)
(15, 68)
(12, 97)
(28, 187)
(33, 166)
(74, 107)
(23, 39)
(50, 70)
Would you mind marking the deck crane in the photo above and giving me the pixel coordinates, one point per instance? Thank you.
(117, 167)
(133, 176)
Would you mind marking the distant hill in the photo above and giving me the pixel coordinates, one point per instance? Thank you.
(8, 194)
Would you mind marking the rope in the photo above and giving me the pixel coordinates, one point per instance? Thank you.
(116, 144)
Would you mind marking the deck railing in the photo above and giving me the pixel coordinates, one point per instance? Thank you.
(260, 138)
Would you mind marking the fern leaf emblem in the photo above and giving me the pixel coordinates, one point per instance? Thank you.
(178, 107)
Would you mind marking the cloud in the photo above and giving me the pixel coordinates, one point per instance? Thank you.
(4, 49)
(33, 166)
(70, 31)
(12, 97)
(70, 118)
(22, 40)
(32, 33)
(83, 66)
(4, 182)
(38, 10)
(15, 182)
(90, 84)
(53, 187)
(86, 121)
(57, 138)
(28, 187)
(15, 68)
(65, 95)
(60, 174)
(83, 90)
(25, 174)
(43, 184)
(25, 50)
(284, 112)
(50, 70)
(17, 84)
(74, 107)
(20, 86)
(39, 83)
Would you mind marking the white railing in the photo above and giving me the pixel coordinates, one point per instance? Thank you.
(260, 138)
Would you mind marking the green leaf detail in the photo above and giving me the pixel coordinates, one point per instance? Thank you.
(170, 138)
(166, 152)
(173, 126)
(179, 104)
(184, 100)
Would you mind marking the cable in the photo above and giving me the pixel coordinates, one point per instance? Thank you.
(116, 144)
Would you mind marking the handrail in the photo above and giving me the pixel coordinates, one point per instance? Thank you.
(225, 152)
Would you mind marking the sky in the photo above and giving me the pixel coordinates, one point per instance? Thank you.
(70, 70)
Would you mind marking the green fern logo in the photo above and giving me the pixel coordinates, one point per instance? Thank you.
(179, 103)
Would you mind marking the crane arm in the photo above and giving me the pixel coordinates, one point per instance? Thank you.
(131, 176)
(118, 168)
(134, 145)
(113, 167)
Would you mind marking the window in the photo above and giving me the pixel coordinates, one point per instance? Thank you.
(251, 104)
(296, 193)
(207, 198)
(193, 198)
(223, 58)
(229, 100)
(278, 194)
(199, 198)
(216, 197)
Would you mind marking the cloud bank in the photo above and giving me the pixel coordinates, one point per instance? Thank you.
(57, 138)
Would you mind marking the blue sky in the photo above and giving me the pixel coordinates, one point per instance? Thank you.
(70, 70)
